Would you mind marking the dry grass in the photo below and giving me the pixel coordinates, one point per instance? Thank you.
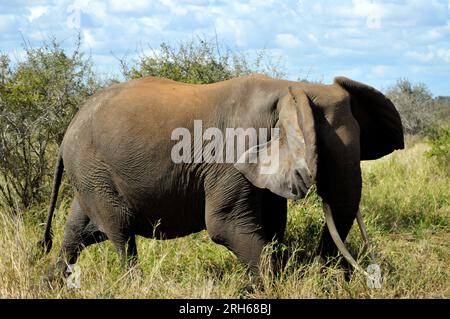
(405, 204)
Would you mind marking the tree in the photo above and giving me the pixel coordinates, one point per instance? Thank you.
(38, 98)
(442, 106)
(198, 61)
(415, 105)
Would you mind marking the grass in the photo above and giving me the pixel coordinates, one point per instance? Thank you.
(405, 207)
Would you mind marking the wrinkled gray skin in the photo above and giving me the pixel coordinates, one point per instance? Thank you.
(116, 153)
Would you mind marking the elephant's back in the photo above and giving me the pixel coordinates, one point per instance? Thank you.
(118, 144)
(124, 133)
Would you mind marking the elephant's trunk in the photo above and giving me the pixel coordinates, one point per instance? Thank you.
(339, 182)
(340, 189)
(339, 242)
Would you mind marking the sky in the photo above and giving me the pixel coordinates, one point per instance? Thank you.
(375, 42)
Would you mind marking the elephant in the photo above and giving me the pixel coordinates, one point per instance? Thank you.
(118, 155)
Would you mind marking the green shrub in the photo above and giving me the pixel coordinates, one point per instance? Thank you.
(439, 139)
(198, 61)
(38, 98)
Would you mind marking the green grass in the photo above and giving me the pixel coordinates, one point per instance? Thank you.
(405, 207)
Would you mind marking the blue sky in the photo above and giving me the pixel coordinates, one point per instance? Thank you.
(376, 42)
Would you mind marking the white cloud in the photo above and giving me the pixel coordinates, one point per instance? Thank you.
(443, 54)
(354, 73)
(129, 5)
(336, 51)
(360, 12)
(89, 39)
(436, 33)
(6, 21)
(420, 56)
(418, 69)
(174, 7)
(97, 9)
(370, 40)
(365, 8)
(234, 29)
(242, 8)
(312, 37)
(287, 40)
(317, 8)
(431, 54)
(381, 70)
(153, 23)
(36, 12)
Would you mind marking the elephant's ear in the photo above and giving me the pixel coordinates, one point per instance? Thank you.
(287, 164)
(381, 130)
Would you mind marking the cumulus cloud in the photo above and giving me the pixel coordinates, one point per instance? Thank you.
(381, 70)
(371, 41)
(128, 6)
(36, 12)
(6, 22)
(287, 40)
(444, 54)
(420, 56)
(89, 39)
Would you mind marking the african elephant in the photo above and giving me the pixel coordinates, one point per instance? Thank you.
(118, 149)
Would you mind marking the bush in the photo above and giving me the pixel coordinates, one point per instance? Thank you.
(198, 61)
(38, 98)
(439, 139)
(415, 105)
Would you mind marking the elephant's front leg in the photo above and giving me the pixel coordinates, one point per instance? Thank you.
(246, 242)
(274, 220)
(243, 237)
(233, 219)
(274, 215)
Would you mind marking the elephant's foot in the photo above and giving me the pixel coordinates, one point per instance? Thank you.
(57, 275)
(135, 273)
(252, 285)
(335, 262)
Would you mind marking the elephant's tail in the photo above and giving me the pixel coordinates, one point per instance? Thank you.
(47, 242)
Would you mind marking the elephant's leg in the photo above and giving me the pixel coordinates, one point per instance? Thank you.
(131, 252)
(244, 239)
(274, 216)
(233, 219)
(125, 244)
(110, 211)
(274, 219)
(118, 224)
(344, 216)
(79, 233)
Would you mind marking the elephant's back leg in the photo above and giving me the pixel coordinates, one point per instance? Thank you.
(114, 217)
(79, 233)
(105, 205)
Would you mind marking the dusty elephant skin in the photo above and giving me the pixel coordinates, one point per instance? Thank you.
(117, 155)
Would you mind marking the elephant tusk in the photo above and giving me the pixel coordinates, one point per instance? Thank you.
(338, 241)
(365, 236)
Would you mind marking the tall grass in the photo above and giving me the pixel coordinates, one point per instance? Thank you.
(405, 206)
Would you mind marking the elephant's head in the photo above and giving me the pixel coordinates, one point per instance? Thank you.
(325, 131)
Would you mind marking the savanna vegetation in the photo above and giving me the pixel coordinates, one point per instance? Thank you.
(405, 194)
